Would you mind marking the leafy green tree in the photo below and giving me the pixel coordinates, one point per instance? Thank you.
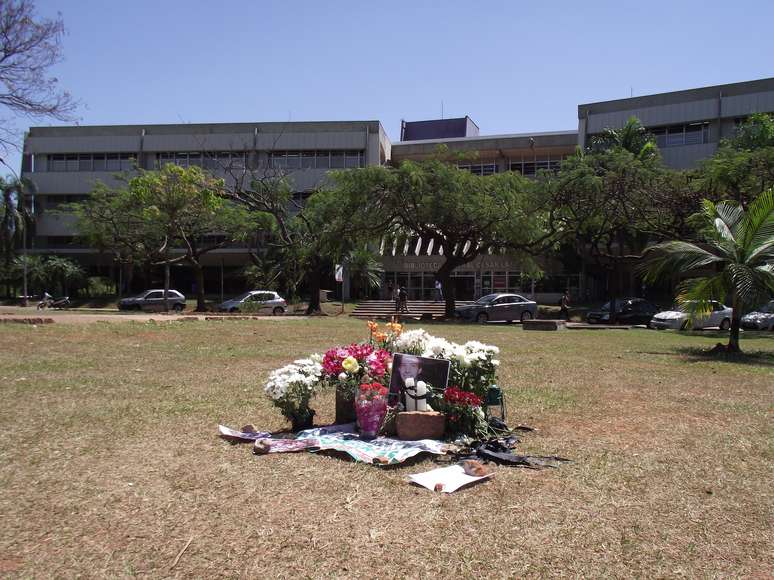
(365, 270)
(736, 259)
(743, 166)
(632, 137)
(165, 217)
(465, 215)
(15, 219)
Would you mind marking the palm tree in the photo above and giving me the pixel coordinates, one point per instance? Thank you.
(14, 219)
(365, 268)
(736, 259)
(633, 137)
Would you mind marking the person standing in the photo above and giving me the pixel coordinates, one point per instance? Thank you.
(438, 291)
(396, 298)
(564, 303)
(403, 299)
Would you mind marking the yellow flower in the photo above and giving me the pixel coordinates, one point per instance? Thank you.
(350, 364)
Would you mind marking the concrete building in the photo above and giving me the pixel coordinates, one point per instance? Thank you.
(689, 124)
(66, 162)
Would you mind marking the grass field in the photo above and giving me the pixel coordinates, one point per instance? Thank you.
(110, 464)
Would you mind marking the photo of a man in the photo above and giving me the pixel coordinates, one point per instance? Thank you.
(435, 372)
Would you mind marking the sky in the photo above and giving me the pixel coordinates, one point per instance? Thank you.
(513, 66)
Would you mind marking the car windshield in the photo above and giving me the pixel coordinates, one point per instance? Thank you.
(767, 308)
(486, 299)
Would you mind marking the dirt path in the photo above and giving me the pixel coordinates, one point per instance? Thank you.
(76, 317)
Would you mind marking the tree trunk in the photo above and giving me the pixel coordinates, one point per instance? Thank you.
(449, 291)
(199, 273)
(166, 286)
(736, 322)
(313, 277)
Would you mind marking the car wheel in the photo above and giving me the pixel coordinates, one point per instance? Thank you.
(526, 315)
(278, 311)
(482, 318)
(178, 307)
(725, 324)
(233, 310)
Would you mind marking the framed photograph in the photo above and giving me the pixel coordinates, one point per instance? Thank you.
(434, 371)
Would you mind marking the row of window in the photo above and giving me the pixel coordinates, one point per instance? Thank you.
(92, 162)
(323, 159)
(528, 166)
(677, 135)
(317, 159)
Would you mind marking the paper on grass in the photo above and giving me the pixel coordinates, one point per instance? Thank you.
(451, 478)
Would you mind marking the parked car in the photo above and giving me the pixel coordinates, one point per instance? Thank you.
(507, 307)
(677, 318)
(259, 301)
(760, 319)
(627, 311)
(153, 300)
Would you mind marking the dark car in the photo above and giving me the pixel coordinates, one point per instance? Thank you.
(505, 307)
(627, 311)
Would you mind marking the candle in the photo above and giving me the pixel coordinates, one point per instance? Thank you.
(421, 393)
(411, 404)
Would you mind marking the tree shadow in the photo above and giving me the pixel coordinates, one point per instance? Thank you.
(698, 354)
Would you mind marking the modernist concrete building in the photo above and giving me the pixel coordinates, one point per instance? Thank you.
(66, 162)
(689, 124)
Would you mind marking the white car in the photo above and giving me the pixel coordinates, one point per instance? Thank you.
(259, 301)
(760, 319)
(677, 318)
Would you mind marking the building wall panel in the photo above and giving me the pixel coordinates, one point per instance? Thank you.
(656, 116)
(743, 105)
(118, 143)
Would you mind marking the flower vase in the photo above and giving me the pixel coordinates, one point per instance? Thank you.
(345, 406)
(303, 421)
(370, 415)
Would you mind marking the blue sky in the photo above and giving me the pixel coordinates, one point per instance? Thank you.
(512, 66)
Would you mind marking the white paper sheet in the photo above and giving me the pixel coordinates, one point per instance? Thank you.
(452, 478)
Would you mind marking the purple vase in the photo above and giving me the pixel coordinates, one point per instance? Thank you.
(370, 415)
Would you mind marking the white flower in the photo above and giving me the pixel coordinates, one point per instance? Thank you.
(342, 376)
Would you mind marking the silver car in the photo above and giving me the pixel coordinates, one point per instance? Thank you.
(760, 319)
(258, 301)
(501, 307)
(678, 318)
(153, 300)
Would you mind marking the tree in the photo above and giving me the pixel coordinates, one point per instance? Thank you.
(632, 137)
(165, 217)
(15, 218)
(310, 234)
(743, 166)
(365, 270)
(465, 215)
(735, 260)
(29, 47)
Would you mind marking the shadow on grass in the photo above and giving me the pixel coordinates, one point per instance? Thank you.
(697, 354)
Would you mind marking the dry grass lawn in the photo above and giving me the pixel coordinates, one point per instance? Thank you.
(110, 464)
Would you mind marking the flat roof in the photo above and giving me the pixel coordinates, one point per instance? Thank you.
(681, 96)
(484, 138)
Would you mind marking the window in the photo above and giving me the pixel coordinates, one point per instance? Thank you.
(84, 162)
(113, 162)
(337, 160)
(155, 295)
(678, 135)
(307, 159)
(323, 159)
(480, 168)
(352, 159)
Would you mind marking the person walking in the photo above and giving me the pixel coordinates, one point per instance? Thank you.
(564, 303)
(403, 299)
(438, 291)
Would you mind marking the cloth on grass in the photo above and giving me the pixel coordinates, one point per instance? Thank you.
(264, 446)
(380, 451)
(244, 435)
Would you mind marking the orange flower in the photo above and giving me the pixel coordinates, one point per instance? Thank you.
(373, 326)
(380, 336)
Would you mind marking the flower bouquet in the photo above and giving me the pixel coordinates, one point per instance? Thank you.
(292, 387)
(371, 407)
(346, 368)
(464, 415)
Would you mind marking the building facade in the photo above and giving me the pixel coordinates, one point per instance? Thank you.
(65, 163)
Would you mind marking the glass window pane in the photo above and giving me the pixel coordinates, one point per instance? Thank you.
(352, 159)
(127, 161)
(113, 162)
(294, 160)
(99, 162)
(84, 162)
(323, 159)
(307, 159)
(72, 163)
(337, 159)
